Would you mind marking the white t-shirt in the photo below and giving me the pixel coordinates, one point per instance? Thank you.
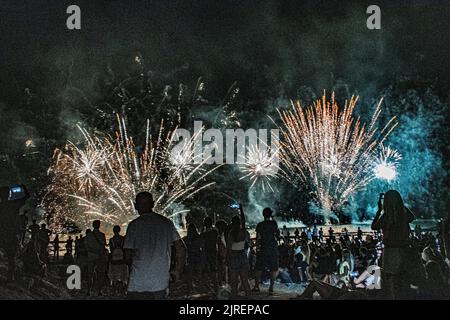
(151, 237)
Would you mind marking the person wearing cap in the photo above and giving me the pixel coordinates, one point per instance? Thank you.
(267, 233)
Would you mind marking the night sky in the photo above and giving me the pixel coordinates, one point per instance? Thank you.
(262, 44)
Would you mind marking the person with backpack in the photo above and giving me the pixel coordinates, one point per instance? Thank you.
(118, 268)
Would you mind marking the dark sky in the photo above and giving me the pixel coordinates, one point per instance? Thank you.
(274, 45)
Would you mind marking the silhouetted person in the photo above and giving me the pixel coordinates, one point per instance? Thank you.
(237, 245)
(10, 226)
(222, 272)
(56, 247)
(285, 233)
(82, 254)
(331, 234)
(194, 245)
(97, 258)
(23, 227)
(393, 219)
(150, 238)
(267, 254)
(417, 230)
(118, 268)
(360, 233)
(69, 245)
(33, 229)
(321, 234)
(43, 239)
(297, 234)
(77, 246)
(315, 233)
(308, 234)
(210, 237)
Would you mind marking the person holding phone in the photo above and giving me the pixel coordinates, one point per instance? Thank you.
(393, 219)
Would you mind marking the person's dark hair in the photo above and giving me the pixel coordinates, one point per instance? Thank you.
(96, 224)
(144, 201)
(235, 229)
(207, 222)
(116, 229)
(192, 232)
(4, 193)
(43, 226)
(221, 225)
(393, 207)
(267, 213)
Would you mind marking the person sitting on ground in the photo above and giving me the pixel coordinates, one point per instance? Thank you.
(435, 287)
(150, 238)
(341, 284)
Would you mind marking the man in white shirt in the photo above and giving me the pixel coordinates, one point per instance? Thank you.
(150, 238)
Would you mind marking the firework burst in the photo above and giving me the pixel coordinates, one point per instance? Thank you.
(330, 149)
(261, 166)
(99, 178)
(385, 165)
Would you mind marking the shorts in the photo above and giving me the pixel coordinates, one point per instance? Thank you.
(238, 261)
(267, 261)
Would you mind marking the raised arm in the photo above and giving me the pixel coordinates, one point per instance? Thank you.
(376, 223)
(241, 210)
(409, 215)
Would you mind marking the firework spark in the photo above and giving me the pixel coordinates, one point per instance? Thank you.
(100, 178)
(330, 149)
(261, 166)
(385, 165)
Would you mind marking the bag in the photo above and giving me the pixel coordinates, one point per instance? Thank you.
(117, 254)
